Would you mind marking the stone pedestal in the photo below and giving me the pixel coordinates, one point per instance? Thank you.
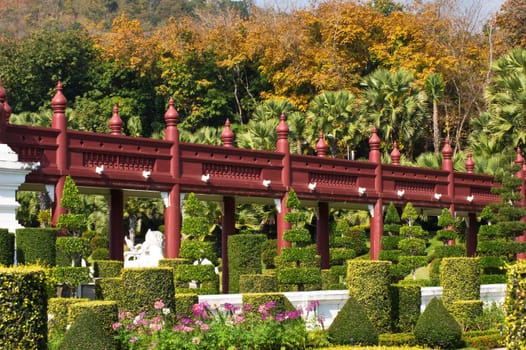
(12, 175)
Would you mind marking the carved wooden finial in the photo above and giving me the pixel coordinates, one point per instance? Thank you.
(171, 116)
(115, 122)
(321, 146)
(395, 154)
(374, 140)
(58, 103)
(227, 135)
(470, 164)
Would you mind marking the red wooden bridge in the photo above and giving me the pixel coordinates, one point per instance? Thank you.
(120, 166)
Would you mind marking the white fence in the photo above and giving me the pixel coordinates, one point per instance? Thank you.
(331, 301)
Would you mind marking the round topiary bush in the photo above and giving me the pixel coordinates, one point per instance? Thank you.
(437, 328)
(352, 326)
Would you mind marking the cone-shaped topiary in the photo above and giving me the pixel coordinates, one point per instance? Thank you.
(437, 328)
(352, 326)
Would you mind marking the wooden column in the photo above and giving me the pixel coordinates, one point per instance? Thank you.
(322, 234)
(229, 228)
(116, 224)
(172, 212)
(60, 122)
(283, 147)
(471, 235)
(377, 211)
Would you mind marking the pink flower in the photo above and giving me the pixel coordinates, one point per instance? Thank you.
(156, 326)
(116, 326)
(204, 327)
(158, 304)
(133, 339)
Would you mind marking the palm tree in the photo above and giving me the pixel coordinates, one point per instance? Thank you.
(334, 114)
(506, 97)
(397, 106)
(434, 85)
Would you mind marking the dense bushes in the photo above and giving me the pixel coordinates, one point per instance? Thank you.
(36, 246)
(23, 308)
(7, 247)
(244, 258)
(91, 326)
(107, 268)
(437, 328)
(58, 316)
(144, 286)
(405, 304)
(515, 306)
(352, 326)
(460, 279)
(369, 282)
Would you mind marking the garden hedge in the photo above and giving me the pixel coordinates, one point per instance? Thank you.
(107, 268)
(109, 288)
(269, 250)
(72, 277)
(91, 326)
(257, 283)
(184, 303)
(23, 308)
(244, 258)
(58, 316)
(36, 246)
(515, 306)
(466, 312)
(405, 304)
(174, 263)
(460, 279)
(72, 250)
(142, 287)
(7, 247)
(369, 282)
(256, 300)
(352, 326)
(436, 327)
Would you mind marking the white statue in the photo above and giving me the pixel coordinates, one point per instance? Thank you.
(146, 254)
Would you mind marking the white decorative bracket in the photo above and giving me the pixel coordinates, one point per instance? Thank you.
(277, 203)
(166, 199)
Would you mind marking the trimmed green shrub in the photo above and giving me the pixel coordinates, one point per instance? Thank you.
(184, 303)
(352, 326)
(466, 312)
(23, 308)
(58, 316)
(259, 299)
(100, 254)
(107, 268)
(72, 221)
(437, 328)
(449, 251)
(109, 288)
(405, 303)
(390, 242)
(390, 255)
(247, 257)
(369, 282)
(91, 326)
(493, 265)
(483, 340)
(257, 283)
(36, 246)
(7, 247)
(142, 287)
(269, 250)
(72, 277)
(198, 250)
(338, 256)
(515, 306)
(396, 339)
(70, 250)
(332, 279)
(174, 264)
(493, 279)
(460, 279)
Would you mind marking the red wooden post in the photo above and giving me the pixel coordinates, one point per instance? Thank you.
(172, 213)
(60, 122)
(283, 147)
(115, 122)
(377, 214)
(473, 226)
(116, 224)
(229, 228)
(395, 154)
(322, 225)
(227, 135)
(447, 164)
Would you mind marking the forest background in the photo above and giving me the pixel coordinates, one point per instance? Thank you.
(420, 71)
